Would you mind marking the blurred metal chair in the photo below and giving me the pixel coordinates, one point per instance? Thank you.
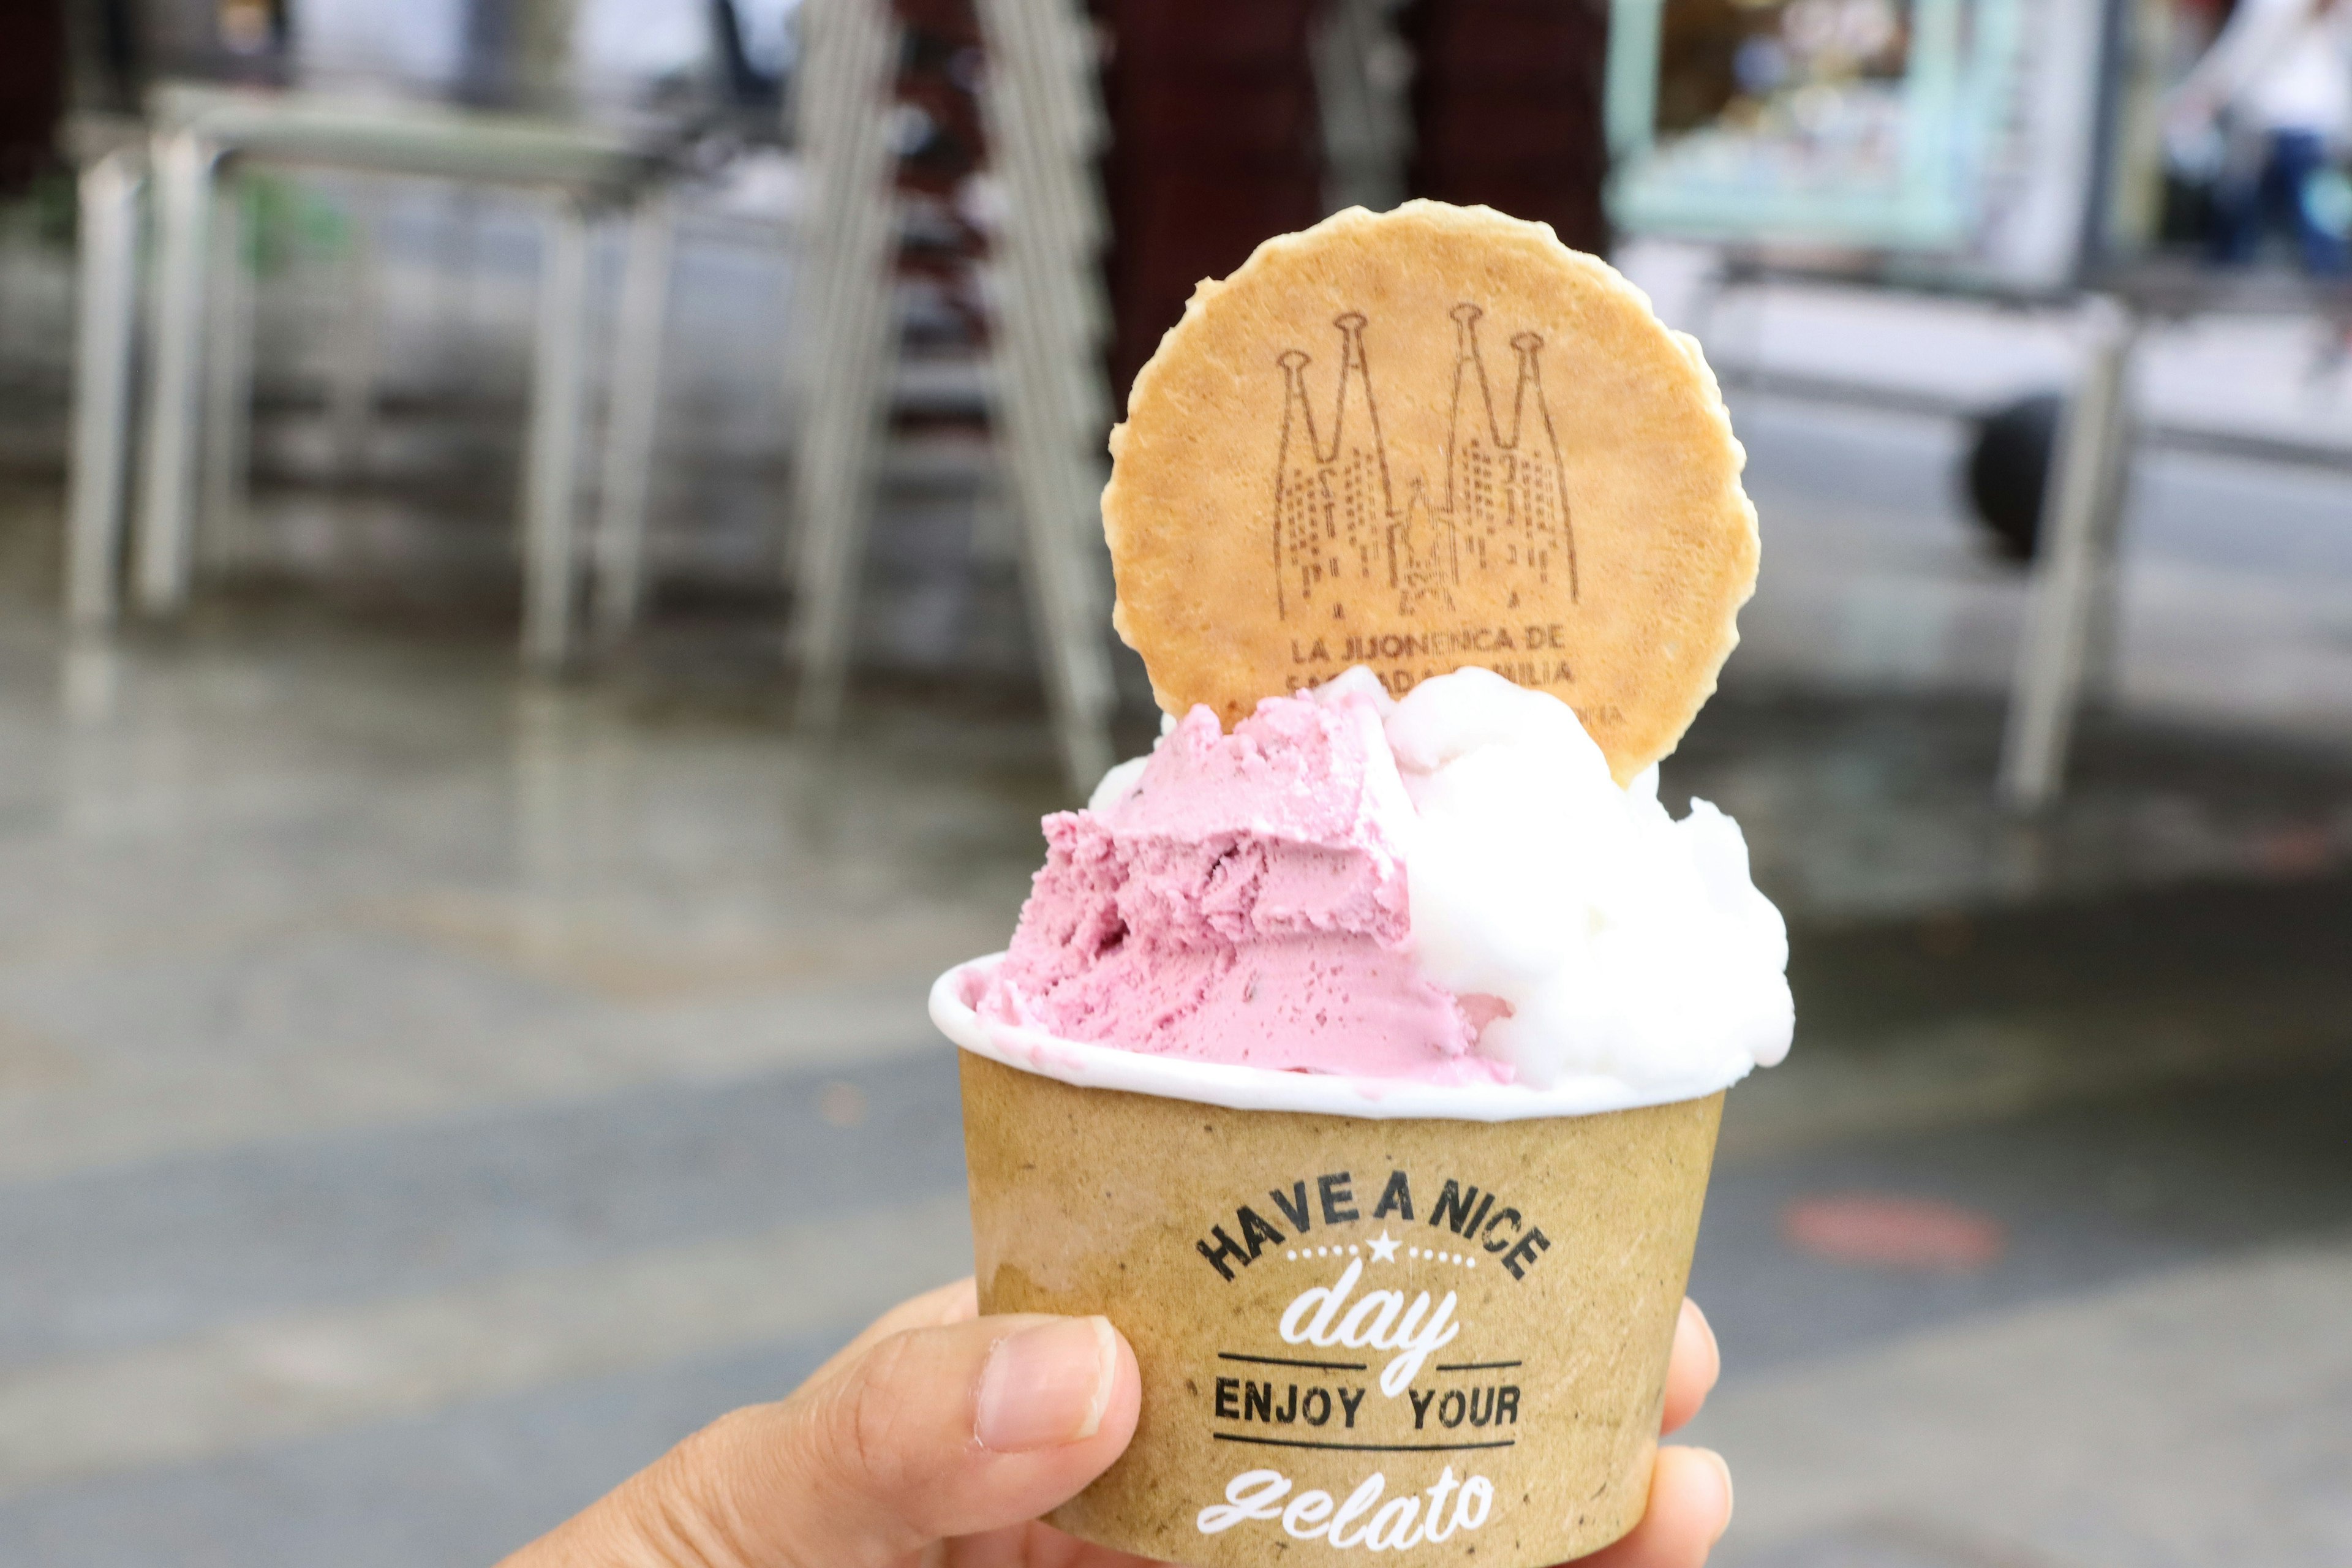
(2071, 610)
(583, 171)
(1050, 404)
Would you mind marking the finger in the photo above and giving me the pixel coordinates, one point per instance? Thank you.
(956, 1302)
(935, 1432)
(1039, 1546)
(1690, 1507)
(949, 1304)
(949, 1430)
(1696, 1363)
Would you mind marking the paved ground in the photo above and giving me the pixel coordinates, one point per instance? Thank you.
(2198, 1416)
(425, 1094)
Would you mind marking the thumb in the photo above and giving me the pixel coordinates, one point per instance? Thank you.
(923, 1435)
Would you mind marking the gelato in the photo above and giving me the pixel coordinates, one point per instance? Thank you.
(1450, 887)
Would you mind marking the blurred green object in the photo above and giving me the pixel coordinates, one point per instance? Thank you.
(50, 207)
(288, 221)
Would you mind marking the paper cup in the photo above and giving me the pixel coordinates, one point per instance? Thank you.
(1428, 1320)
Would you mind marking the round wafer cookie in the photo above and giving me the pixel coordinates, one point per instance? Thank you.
(1424, 439)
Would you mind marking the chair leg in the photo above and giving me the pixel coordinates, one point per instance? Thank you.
(2087, 477)
(844, 331)
(1367, 122)
(635, 410)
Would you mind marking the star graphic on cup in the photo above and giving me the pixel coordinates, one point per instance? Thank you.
(1384, 1247)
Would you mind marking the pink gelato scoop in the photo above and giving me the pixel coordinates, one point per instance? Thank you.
(1243, 901)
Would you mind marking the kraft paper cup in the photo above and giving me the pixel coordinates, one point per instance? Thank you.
(1422, 1320)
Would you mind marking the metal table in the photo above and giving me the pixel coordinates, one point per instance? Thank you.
(193, 131)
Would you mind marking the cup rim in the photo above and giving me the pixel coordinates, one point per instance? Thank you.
(1087, 1065)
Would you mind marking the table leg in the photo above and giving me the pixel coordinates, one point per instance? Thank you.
(2086, 482)
(635, 414)
(184, 199)
(551, 458)
(105, 314)
(357, 349)
(224, 535)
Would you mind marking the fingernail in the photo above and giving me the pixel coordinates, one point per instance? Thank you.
(1723, 1475)
(1047, 1385)
(1705, 1327)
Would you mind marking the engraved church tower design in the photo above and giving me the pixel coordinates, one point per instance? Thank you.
(1343, 531)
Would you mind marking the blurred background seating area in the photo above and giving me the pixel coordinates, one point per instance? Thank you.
(548, 572)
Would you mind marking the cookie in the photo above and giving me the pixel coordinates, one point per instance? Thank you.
(1424, 439)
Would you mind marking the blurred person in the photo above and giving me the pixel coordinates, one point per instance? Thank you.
(938, 1437)
(2273, 96)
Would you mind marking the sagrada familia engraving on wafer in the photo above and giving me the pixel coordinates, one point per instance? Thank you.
(1346, 525)
(1424, 439)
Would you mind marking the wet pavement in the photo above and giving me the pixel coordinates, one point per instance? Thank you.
(426, 1093)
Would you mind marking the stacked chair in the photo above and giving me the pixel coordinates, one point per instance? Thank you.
(1218, 123)
(1039, 227)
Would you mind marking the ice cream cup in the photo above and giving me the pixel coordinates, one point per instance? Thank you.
(1370, 1314)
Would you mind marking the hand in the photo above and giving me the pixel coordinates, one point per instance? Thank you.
(938, 1437)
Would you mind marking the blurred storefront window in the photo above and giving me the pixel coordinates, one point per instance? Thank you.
(1870, 121)
(1968, 127)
